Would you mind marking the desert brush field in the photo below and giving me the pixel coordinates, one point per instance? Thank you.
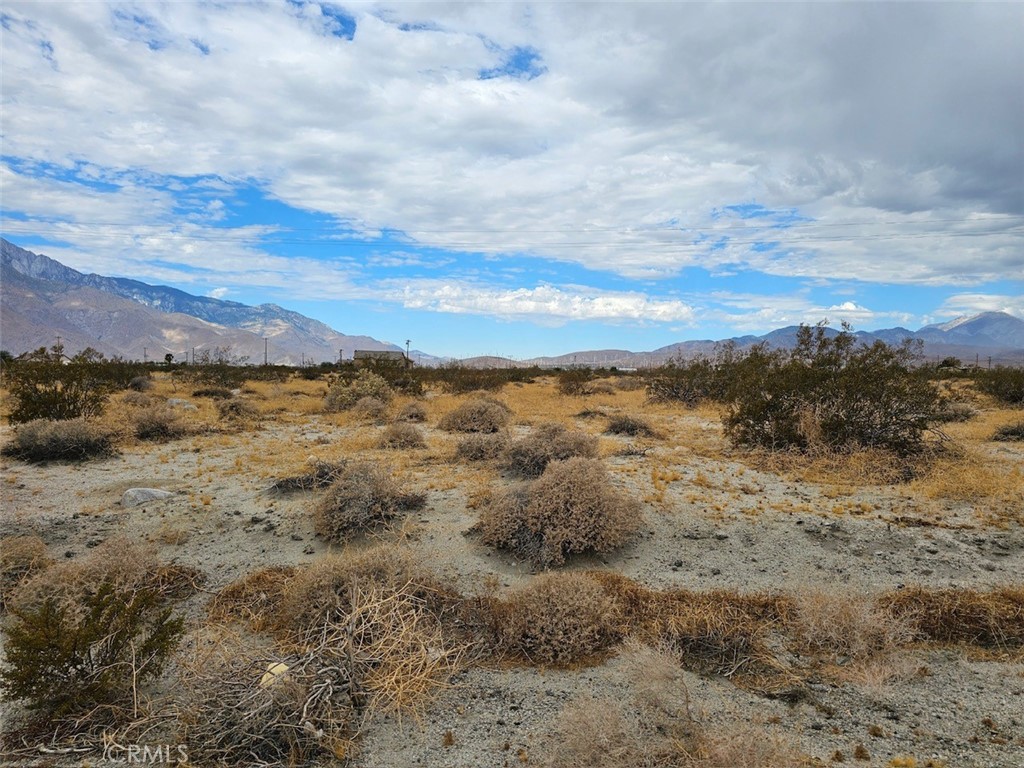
(518, 568)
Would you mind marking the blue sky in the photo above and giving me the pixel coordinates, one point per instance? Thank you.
(528, 179)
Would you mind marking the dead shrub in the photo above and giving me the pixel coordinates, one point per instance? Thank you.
(481, 447)
(477, 415)
(343, 395)
(558, 618)
(596, 733)
(629, 425)
(629, 383)
(20, 558)
(846, 626)
(67, 440)
(991, 619)
(158, 424)
(742, 745)
(401, 435)
(238, 410)
(214, 393)
(322, 474)
(529, 456)
(412, 412)
(571, 508)
(1010, 432)
(140, 384)
(363, 496)
(242, 705)
(370, 408)
(255, 598)
(600, 387)
(137, 399)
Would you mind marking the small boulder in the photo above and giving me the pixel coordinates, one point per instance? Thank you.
(133, 497)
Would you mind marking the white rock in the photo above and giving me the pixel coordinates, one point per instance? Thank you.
(133, 497)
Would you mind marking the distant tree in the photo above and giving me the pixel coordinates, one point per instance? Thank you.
(89, 355)
(168, 358)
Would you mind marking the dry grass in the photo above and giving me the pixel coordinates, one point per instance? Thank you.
(363, 496)
(846, 626)
(412, 412)
(596, 733)
(572, 508)
(558, 618)
(20, 558)
(255, 598)
(992, 619)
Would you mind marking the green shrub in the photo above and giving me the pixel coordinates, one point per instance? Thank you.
(343, 395)
(572, 508)
(71, 440)
(52, 390)
(827, 393)
(529, 456)
(574, 381)
(362, 496)
(1004, 384)
(693, 381)
(484, 415)
(558, 618)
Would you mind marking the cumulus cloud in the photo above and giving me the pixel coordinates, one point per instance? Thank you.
(608, 136)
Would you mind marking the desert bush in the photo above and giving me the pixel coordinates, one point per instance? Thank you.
(343, 395)
(575, 381)
(320, 475)
(255, 598)
(215, 393)
(485, 447)
(691, 382)
(457, 379)
(845, 626)
(558, 618)
(52, 390)
(237, 409)
(400, 435)
(241, 705)
(137, 399)
(989, 619)
(1010, 432)
(82, 636)
(158, 423)
(571, 508)
(20, 558)
(596, 733)
(827, 394)
(1004, 384)
(363, 496)
(626, 383)
(950, 411)
(140, 384)
(412, 412)
(630, 425)
(529, 456)
(370, 408)
(477, 415)
(70, 440)
(601, 387)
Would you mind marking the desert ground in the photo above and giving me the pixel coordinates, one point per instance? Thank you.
(830, 535)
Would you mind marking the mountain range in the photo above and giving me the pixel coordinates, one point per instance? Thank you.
(42, 299)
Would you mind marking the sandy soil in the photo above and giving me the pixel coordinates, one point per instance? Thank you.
(713, 520)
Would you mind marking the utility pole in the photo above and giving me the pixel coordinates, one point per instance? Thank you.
(264, 350)
(407, 342)
(145, 357)
(341, 356)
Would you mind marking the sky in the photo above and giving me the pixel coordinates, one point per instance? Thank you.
(528, 179)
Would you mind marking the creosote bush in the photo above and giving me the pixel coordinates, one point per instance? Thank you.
(402, 435)
(828, 394)
(558, 618)
(1004, 384)
(363, 496)
(83, 635)
(572, 508)
(483, 415)
(529, 456)
(69, 440)
(343, 395)
(50, 389)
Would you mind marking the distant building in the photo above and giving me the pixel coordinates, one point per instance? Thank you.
(363, 357)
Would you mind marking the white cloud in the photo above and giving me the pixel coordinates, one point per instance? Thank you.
(219, 293)
(544, 304)
(974, 303)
